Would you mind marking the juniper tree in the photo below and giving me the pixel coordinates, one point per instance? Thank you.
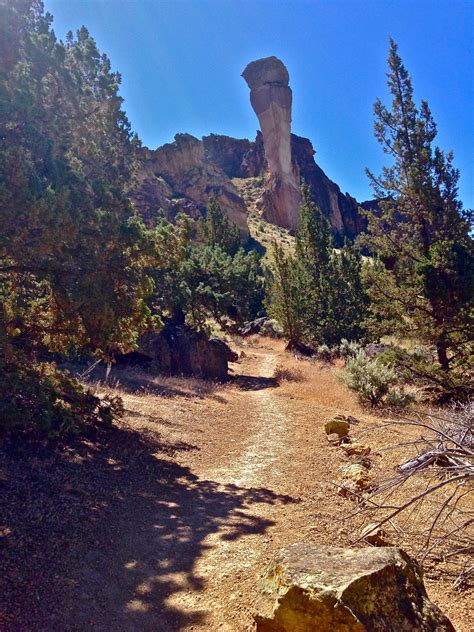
(421, 233)
(286, 294)
(72, 256)
(196, 281)
(216, 229)
(333, 295)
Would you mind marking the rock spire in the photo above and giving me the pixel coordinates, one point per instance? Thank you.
(271, 98)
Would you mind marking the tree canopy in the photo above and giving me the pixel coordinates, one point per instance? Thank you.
(72, 254)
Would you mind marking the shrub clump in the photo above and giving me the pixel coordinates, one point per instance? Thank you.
(348, 348)
(41, 397)
(374, 381)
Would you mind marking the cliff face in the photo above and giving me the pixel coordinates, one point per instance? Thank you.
(180, 176)
(341, 209)
(183, 175)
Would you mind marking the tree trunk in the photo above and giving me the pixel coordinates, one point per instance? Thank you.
(442, 351)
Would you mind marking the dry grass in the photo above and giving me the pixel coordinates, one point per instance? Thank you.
(287, 374)
(133, 380)
(320, 386)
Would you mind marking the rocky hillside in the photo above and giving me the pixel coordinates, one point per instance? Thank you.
(184, 174)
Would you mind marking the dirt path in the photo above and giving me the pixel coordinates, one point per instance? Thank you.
(266, 433)
(164, 522)
(228, 561)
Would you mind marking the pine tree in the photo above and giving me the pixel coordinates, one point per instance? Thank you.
(420, 233)
(333, 295)
(286, 295)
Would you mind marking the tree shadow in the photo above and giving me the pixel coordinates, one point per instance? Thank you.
(253, 382)
(147, 380)
(99, 532)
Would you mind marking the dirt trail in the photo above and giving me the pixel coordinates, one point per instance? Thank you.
(266, 432)
(164, 522)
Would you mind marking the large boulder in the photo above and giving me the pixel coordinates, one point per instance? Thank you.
(181, 350)
(325, 589)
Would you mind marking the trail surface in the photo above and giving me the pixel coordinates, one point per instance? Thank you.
(164, 522)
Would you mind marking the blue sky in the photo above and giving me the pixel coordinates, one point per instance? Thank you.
(181, 62)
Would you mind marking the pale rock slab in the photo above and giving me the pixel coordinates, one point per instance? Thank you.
(328, 589)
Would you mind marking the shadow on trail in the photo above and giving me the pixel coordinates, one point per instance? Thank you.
(100, 532)
(253, 382)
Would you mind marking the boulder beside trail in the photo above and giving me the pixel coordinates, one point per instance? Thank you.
(181, 350)
(263, 326)
(327, 589)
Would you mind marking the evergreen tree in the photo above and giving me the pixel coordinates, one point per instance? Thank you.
(217, 230)
(197, 281)
(331, 302)
(421, 233)
(351, 300)
(72, 256)
(286, 295)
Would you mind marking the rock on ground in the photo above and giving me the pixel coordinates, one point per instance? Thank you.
(181, 350)
(325, 589)
(337, 426)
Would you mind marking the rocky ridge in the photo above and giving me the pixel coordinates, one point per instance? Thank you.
(184, 174)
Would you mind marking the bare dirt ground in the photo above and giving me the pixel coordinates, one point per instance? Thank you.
(165, 521)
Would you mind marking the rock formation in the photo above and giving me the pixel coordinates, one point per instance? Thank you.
(181, 350)
(245, 159)
(271, 98)
(179, 177)
(329, 589)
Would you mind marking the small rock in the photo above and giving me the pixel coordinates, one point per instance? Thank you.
(349, 489)
(358, 474)
(374, 534)
(334, 438)
(352, 420)
(338, 426)
(356, 449)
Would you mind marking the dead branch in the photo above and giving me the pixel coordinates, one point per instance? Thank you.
(445, 458)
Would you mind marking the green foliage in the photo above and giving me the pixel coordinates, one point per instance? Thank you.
(198, 281)
(72, 256)
(217, 230)
(422, 281)
(286, 294)
(348, 348)
(370, 379)
(226, 288)
(39, 397)
(318, 294)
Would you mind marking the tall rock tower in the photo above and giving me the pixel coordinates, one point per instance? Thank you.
(271, 96)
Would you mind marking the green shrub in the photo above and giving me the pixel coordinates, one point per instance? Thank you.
(370, 379)
(348, 348)
(42, 398)
(324, 353)
(397, 397)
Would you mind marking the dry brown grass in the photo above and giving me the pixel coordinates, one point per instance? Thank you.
(319, 385)
(287, 374)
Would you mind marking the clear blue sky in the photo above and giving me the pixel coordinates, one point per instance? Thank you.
(181, 62)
